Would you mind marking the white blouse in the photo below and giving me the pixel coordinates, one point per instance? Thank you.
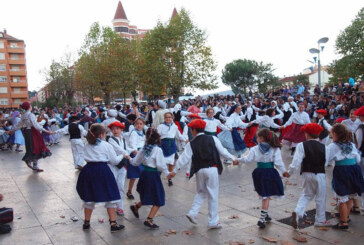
(273, 155)
(266, 121)
(352, 126)
(154, 160)
(119, 147)
(326, 125)
(28, 121)
(102, 152)
(234, 121)
(212, 123)
(298, 118)
(135, 141)
(170, 132)
(64, 130)
(334, 153)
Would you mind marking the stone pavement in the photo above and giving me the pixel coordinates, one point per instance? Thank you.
(40, 199)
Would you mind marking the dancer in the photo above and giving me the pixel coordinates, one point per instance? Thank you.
(324, 135)
(212, 123)
(96, 183)
(311, 157)
(204, 151)
(34, 144)
(250, 115)
(17, 138)
(359, 136)
(347, 179)
(352, 123)
(150, 187)
(267, 182)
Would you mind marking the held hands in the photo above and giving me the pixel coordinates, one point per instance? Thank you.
(127, 157)
(11, 132)
(236, 162)
(286, 175)
(250, 123)
(135, 152)
(171, 175)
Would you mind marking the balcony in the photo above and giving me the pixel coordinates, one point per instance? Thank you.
(4, 95)
(16, 62)
(16, 50)
(21, 84)
(21, 95)
(21, 72)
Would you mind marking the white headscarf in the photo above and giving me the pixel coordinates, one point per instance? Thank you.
(112, 113)
(162, 104)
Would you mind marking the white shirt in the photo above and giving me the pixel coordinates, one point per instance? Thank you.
(154, 160)
(103, 152)
(334, 153)
(28, 121)
(212, 123)
(64, 130)
(186, 157)
(298, 157)
(326, 125)
(266, 121)
(273, 155)
(298, 118)
(135, 141)
(159, 117)
(352, 126)
(119, 147)
(170, 132)
(234, 121)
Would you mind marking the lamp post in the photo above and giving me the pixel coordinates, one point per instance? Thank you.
(318, 51)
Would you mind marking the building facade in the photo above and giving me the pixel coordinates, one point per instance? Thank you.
(13, 72)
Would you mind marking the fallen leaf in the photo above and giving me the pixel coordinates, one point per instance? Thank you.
(337, 241)
(309, 222)
(323, 229)
(170, 232)
(62, 216)
(303, 232)
(332, 215)
(18, 217)
(286, 211)
(251, 241)
(300, 239)
(236, 243)
(269, 239)
(234, 217)
(159, 214)
(287, 243)
(188, 233)
(101, 221)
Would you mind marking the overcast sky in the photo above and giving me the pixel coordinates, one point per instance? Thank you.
(279, 32)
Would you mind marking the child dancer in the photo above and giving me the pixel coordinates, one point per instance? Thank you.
(359, 136)
(352, 123)
(347, 179)
(212, 123)
(76, 131)
(96, 183)
(150, 187)
(17, 138)
(267, 182)
(168, 132)
(136, 143)
(204, 151)
(119, 144)
(324, 135)
(311, 157)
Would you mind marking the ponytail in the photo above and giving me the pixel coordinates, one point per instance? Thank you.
(94, 133)
(269, 137)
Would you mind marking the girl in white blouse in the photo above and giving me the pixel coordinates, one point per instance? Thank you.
(347, 178)
(150, 187)
(267, 182)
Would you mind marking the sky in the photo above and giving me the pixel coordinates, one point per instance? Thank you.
(279, 32)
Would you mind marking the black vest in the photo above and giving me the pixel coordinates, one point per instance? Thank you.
(74, 131)
(315, 157)
(205, 154)
(324, 133)
(361, 147)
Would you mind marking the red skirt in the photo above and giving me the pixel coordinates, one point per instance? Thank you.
(249, 136)
(284, 131)
(295, 134)
(34, 146)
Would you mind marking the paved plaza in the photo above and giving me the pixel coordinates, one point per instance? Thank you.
(44, 203)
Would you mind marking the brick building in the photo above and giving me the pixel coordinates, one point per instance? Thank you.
(13, 73)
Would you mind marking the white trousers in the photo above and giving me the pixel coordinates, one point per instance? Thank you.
(77, 147)
(362, 171)
(314, 186)
(207, 186)
(120, 180)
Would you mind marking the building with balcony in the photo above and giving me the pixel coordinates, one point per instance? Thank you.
(13, 73)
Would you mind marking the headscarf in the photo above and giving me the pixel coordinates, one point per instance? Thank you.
(264, 147)
(148, 149)
(177, 107)
(162, 104)
(346, 148)
(112, 113)
(232, 110)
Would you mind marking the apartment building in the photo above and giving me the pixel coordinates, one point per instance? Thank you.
(13, 73)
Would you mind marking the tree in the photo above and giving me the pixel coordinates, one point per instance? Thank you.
(350, 44)
(301, 78)
(243, 74)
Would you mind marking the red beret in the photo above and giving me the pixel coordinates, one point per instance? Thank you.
(359, 112)
(194, 115)
(340, 119)
(25, 105)
(116, 124)
(322, 111)
(312, 128)
(197, 124)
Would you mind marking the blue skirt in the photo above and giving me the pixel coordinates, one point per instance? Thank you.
(347, 180)
(227, 140)
(150, 189)
(267, 182)
(169, 147)
(96, 183)
(133, 172)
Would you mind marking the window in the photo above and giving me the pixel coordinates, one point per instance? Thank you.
(121, 29)
(15, 68)
(1, 44)
(13, 45)
(17, 90)
(4, 101)
(2, 56)
(14, 56)
(16, 79)
(2, 67)
(132, 31)
(17, 101)
(2, 79)
(3, 90)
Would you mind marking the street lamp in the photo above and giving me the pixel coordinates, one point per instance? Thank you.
(318, 51)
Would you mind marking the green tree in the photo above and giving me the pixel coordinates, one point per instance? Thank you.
(350, 44)
(301, 78)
